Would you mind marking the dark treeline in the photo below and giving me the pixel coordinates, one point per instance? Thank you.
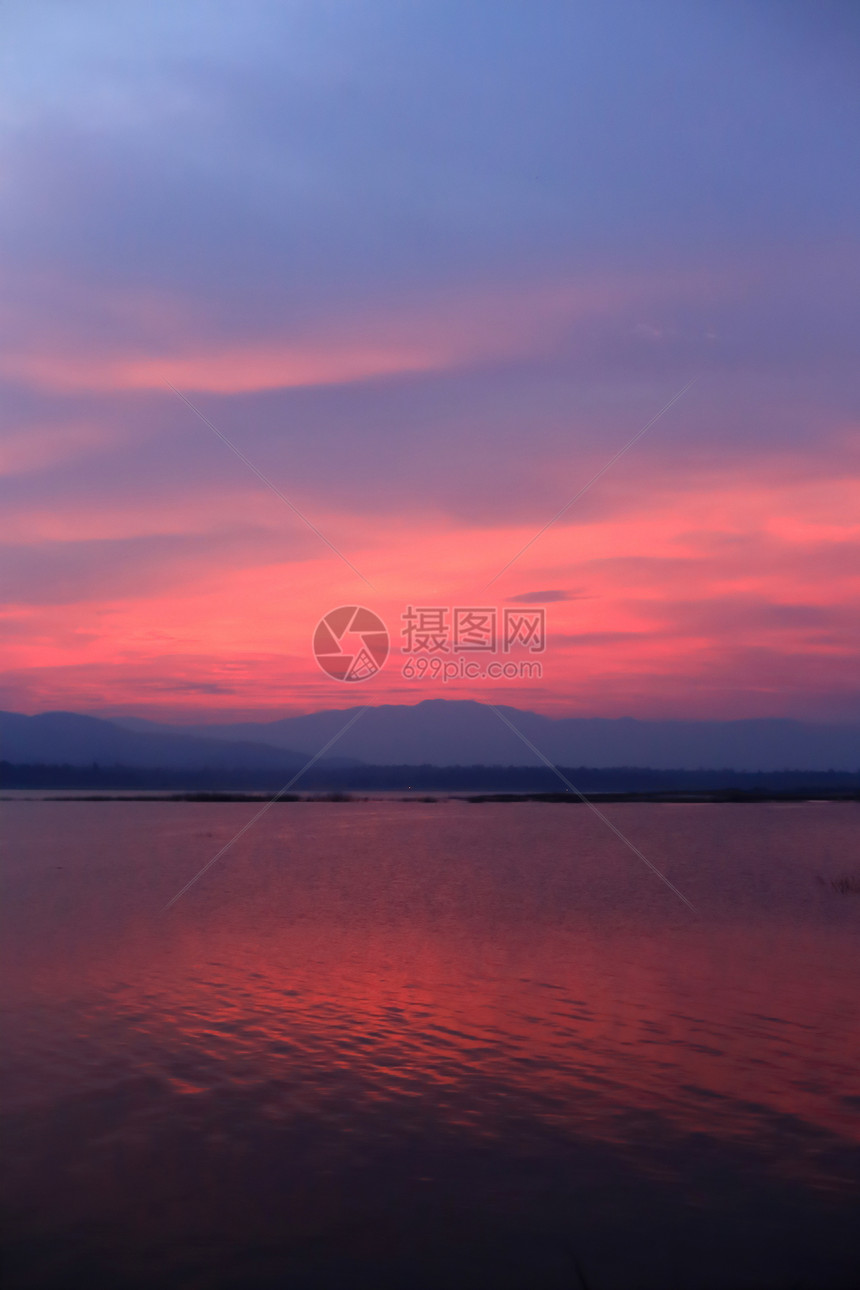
(451, 779)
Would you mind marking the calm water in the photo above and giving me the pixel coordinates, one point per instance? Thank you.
(401, 1044)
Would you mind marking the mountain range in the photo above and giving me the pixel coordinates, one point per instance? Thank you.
(440, 732)
(69, 738)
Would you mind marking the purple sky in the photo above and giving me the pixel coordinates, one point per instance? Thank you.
(431, 266)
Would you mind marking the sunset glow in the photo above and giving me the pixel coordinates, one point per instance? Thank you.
(426, 384)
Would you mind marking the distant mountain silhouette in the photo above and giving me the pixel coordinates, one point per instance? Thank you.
(450, 732)
(66, 737)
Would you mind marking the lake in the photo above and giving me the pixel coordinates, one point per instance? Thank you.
(430, 1044)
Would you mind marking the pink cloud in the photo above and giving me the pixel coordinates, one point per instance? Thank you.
(436, 333)
(666, 616)
(38, 447)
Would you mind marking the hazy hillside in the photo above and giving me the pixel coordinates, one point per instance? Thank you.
(463, 732)
(66, 737)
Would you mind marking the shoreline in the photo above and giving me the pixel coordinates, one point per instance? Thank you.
(669, 797)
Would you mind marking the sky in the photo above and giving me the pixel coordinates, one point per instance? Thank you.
(427, 268)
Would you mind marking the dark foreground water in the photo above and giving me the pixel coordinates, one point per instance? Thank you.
(430, 1045)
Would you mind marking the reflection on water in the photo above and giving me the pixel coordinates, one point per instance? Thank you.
(392, 1044)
